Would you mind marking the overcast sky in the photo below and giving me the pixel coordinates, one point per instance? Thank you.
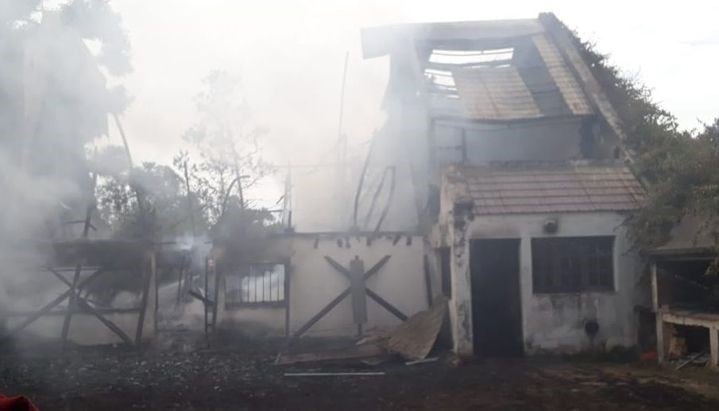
(290, 55)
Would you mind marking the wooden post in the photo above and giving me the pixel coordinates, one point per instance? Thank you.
(207, 274)
(428, 280)
(148, 271)
(72, 303)
(661, 344)
(219, 276)
(287, 300)
(655, 287)
(359, 301)
(156, 281)
(180, 278)
(714, 347)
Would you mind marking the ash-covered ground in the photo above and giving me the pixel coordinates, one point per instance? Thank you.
(241, 375)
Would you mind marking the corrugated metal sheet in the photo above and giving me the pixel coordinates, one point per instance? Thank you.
(496, 93)
(552, 188)
(562, 76)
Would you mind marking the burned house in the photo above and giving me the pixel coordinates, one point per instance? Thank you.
(517, 140)
(499, 180)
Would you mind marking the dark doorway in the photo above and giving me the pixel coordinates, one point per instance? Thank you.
(496, 306)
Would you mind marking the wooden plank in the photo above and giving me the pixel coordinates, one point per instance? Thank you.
(337, 266)
(60, 276)
(332, 304)
(352, 353)
(696, 320)
(414, 338)
(333, 374)
(63, 312)
(149, 271)
(375, 268)
(386, 305)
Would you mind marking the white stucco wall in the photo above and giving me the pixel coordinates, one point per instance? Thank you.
(314, 283)
(555, 322)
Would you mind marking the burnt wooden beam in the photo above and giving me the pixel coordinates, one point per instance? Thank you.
(218, 275)
(88, 308)
(63, 312)
(149, 271)
(337, 266)
(107, 323)
(386, 305)
(375, 268)
(59, 276)
(322, 313)
(427, 280)
(288, 270)
(70, 304)
(48, 307)
(201, 297)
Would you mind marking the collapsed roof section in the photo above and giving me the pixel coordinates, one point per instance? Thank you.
(502, 70)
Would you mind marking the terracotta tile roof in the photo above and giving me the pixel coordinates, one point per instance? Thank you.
(562, 76)
(552, 188)
(495, 93)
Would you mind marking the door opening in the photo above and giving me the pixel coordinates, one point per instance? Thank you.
(496, 298)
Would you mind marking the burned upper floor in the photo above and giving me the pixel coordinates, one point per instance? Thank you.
(508, 90)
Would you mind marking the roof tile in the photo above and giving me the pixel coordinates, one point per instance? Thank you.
(552, 188)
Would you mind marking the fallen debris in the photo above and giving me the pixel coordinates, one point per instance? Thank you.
(426, 360)
(361, 352)
(693, 358)
(333, 374)
(414, 338)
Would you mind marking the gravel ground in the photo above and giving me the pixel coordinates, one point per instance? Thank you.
(241, 375)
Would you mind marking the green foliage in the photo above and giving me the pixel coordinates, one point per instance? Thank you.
(164, 212)
(679, 169)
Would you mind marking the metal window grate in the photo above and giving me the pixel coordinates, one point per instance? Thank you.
(256, 284)
(572, 264)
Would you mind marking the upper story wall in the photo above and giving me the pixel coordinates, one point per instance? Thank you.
(477, 144)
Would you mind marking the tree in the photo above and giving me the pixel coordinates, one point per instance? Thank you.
(164, 214)
(55, 101)
(677, 168)
(228, 144)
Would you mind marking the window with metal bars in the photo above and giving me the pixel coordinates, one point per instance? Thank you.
(255, 284)
(572, 264)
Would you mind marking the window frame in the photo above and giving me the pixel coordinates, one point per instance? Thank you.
(549, 261)
(280, 286)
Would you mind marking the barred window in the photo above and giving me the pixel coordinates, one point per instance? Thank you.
(256, 284)
(572, 264)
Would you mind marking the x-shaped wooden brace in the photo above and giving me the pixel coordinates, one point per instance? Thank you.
(71, 292)
(332, 304)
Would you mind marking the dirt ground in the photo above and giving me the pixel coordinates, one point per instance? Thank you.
(242, 376)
